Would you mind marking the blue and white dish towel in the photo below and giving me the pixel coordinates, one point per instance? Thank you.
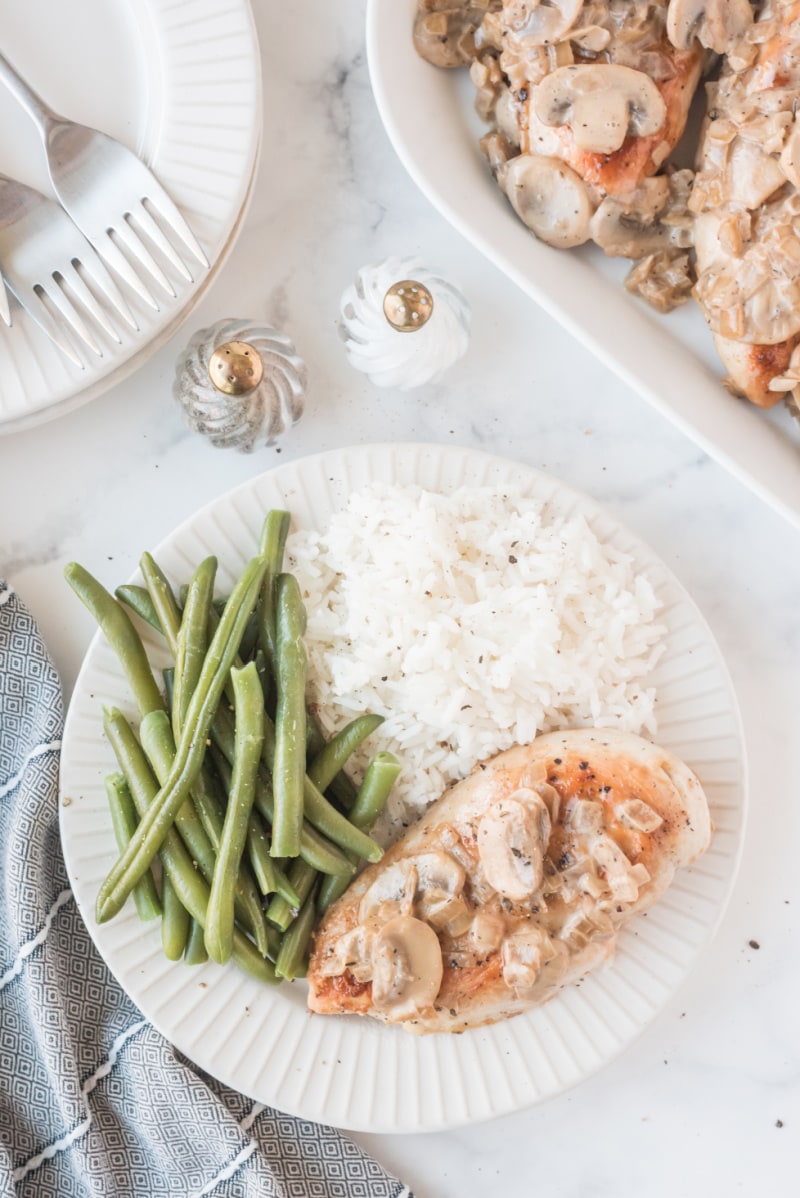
(93, 1101)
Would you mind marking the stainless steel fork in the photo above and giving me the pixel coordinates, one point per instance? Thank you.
(110, 194)
(5, 311)
(43, 260)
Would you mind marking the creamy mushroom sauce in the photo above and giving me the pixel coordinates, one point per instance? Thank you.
(585, 103)
(543, 874)
(747, 201)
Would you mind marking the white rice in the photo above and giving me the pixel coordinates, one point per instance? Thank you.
(472, 621)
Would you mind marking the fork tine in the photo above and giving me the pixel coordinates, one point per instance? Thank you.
(168, 211)
(57, 297)
(38, 313)
(115, 258)
(74, 281)
(132, 242)
(5, 310)
(93, 265)
(147, 225)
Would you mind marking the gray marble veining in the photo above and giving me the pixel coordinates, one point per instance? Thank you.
(708, 1101)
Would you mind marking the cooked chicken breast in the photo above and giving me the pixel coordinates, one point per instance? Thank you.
(747, 200)
(586, 102)
(514, 884)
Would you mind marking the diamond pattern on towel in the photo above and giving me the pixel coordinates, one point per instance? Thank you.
(93, 1101)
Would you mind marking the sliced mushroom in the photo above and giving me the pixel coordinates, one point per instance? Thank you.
(715, 23)
(407, 968)
(440, 880)
(512, 841)
(547, 21)
(523, 955)
(352, 952)
(438, 871)
(549, 197)
(593, 39)
(392, 892)
(610, 857)
(444, 33)
(652, 219)
(602, 104)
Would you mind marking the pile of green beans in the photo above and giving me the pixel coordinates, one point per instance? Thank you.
(235, 819)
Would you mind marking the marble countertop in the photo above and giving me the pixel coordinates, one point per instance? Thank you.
(708, 1100)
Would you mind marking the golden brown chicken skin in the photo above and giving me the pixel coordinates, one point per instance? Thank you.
(514, 884)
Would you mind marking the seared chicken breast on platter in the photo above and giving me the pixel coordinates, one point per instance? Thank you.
(512, 885)
(587, 101)
(746, 199)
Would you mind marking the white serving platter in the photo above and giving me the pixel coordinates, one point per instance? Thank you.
(669, 360)
(357, 1073)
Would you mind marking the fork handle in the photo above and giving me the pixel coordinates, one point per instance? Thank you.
(33, 104)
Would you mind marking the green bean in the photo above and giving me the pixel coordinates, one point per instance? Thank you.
(258, 852)
(168, 675)
(341, 788)
(301, 878)
(314, 849)
(295, 942)
(271, 546)
(379, 778)
(331, 758)
(196, 952)
(319, 812)
(139, 601)
(163, 598)
(381, 775)
(284, 888)
(191, 749)
(123, 821)
(192, 639)
(116, 625)
(289, 757)
(337, 827)
(175, 924)
(210, 809)
(257, 838)
(159, 745)
(178, 866)
(249, 737)
(250, 639)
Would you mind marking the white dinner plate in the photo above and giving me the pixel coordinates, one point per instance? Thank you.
(670, 360)
(357, 1073)
(178, 83)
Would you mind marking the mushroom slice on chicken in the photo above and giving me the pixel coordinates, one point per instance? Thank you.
(715, 23)
(535, 879)
(609, 95)
(585, 102)
(444, 30)
(746, 198)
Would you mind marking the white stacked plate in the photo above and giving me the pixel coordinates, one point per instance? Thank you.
(180, 85)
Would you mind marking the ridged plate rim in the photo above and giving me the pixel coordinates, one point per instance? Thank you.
(208, 168)
(354, 1073)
